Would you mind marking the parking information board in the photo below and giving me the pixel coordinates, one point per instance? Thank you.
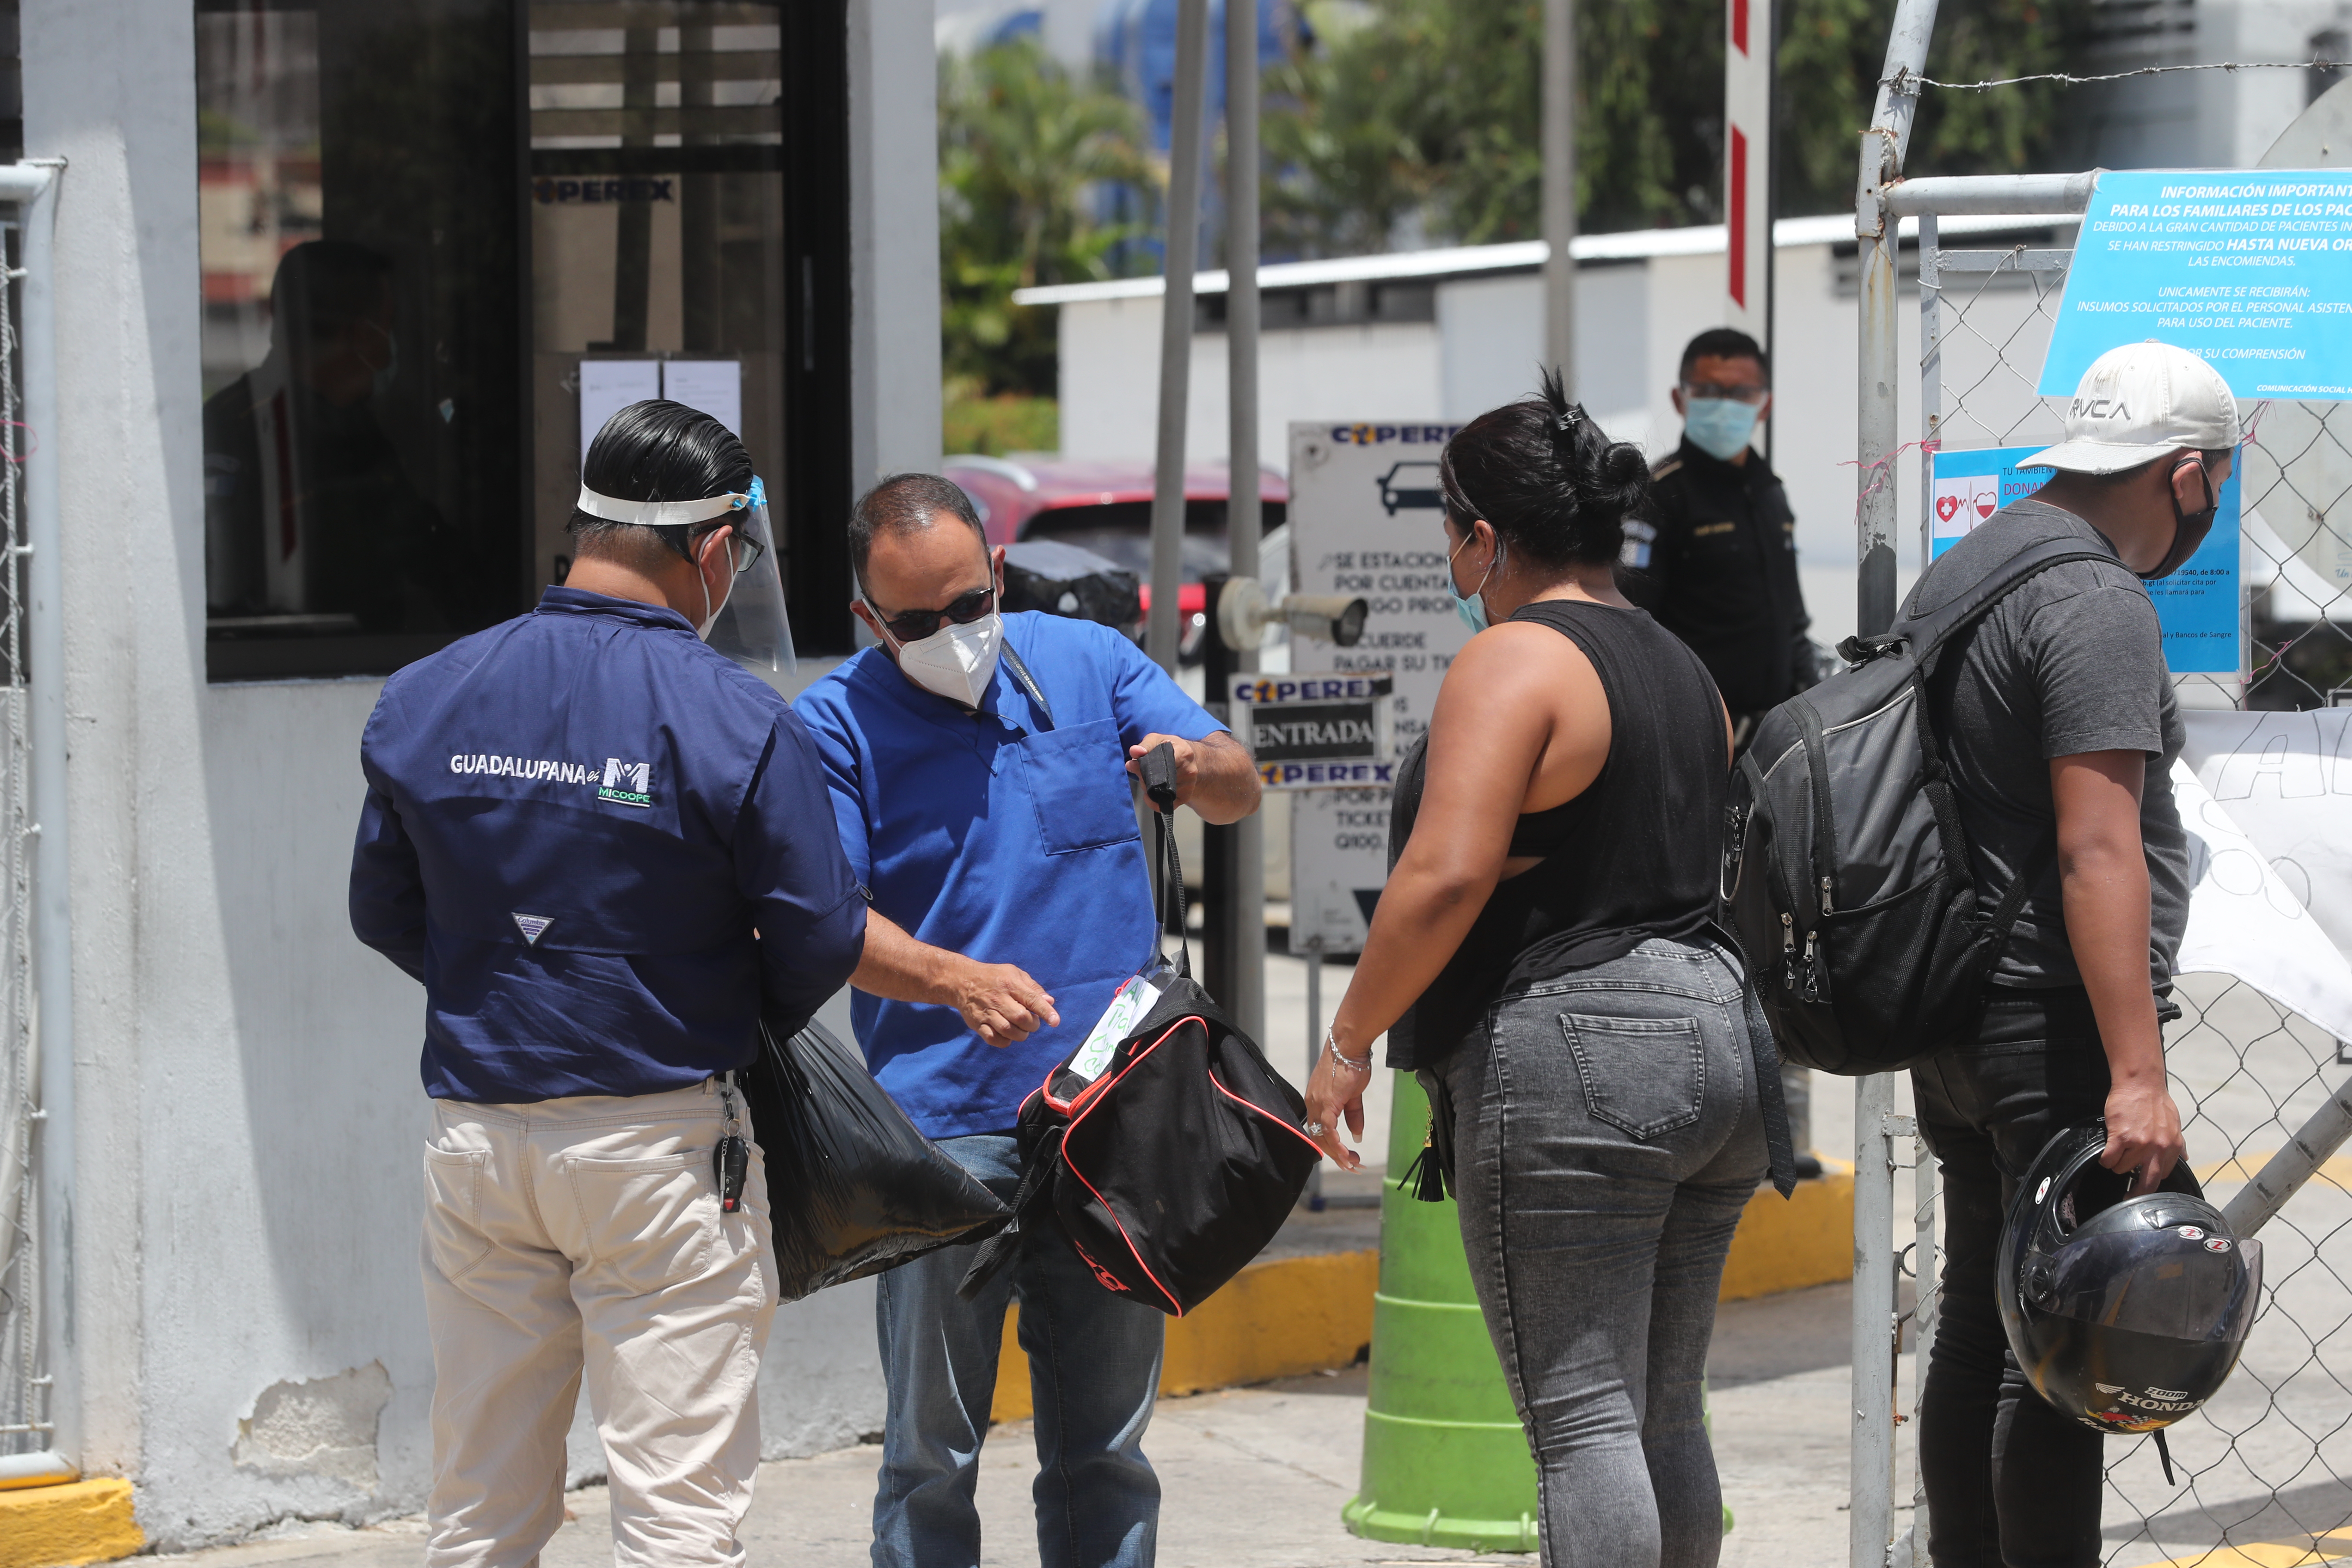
(2198, 604)
(1366, 521)
(2251, 269)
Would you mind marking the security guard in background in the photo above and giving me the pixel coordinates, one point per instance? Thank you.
(605, 847)
(1718, 566)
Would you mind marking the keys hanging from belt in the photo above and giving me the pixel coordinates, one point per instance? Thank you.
(732, 1159)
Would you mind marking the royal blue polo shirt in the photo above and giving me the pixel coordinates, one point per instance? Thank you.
(603, 848)
(1000, 835)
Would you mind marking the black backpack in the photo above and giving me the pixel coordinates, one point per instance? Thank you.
(1170, 1168)
(1844, 867)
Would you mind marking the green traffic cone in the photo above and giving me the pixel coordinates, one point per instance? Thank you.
(1446, 1460)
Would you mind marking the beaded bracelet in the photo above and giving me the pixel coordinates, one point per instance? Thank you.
(1350, 1063)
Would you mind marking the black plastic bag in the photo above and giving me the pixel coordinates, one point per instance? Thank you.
(1066, 579)
(853, 1188)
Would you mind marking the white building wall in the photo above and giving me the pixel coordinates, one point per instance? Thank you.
(248, 1319)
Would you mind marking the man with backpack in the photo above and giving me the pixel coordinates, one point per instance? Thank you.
(2060, 727)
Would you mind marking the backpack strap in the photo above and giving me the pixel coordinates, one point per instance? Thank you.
(1158, 773)
(1928, 635)
(1928, 632)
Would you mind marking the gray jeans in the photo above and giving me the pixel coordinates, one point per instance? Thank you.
(1607, 1137)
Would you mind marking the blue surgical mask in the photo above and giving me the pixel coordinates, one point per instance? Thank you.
(1719, 427)
(1470, 606)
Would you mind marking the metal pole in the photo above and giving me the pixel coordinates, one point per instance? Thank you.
(1876, 435)
(1927, 1306)
(1931, 381)
(1242, 518)
(1314, 1049)
(1163, 632)
(45, 657)
(1560, 187)
(1871, 1487)
(2312, 1144)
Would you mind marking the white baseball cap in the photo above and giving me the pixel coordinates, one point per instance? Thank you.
(2137, 403)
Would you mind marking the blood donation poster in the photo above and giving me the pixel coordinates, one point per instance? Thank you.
(2198, 604)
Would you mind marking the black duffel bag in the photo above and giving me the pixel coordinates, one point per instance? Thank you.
(1172, 1163)
(852, 1187)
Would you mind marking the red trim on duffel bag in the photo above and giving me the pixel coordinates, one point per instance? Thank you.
(1087, 1102)
(1298, 1132)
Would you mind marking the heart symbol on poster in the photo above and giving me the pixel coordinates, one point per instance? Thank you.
(1988, 502)
(1947, 507)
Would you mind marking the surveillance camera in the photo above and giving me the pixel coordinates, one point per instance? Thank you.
(1243, 615)
(1325, 618)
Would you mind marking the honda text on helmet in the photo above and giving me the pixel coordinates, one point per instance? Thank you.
(2125, 1314)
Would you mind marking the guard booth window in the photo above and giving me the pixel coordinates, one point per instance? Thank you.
(657, 230)
(359, 243)
(442, 241)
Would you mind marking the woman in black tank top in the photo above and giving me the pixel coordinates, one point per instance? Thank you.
(1545, 957)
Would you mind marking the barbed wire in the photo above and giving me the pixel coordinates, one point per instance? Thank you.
(1906, 80)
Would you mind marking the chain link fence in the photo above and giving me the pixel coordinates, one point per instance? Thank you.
(2262, 1471)
(23, 1426)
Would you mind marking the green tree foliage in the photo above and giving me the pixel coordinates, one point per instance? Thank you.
(1022, 149)
(1832, 51)
(1426, 113)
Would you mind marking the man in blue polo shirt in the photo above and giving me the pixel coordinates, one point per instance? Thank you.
(978, 765)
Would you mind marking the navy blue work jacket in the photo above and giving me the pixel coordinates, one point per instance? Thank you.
(576, 823)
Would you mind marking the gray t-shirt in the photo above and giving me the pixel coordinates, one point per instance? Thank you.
(2072, 661)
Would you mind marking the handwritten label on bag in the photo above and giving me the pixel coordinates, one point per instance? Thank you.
(1118, 1020)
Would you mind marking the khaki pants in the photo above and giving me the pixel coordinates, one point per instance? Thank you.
(586, 1232)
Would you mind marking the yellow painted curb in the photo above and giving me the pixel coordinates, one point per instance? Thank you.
(1275, 1319)
(1789, 1244)
(1290, 1315)
(81, 1521)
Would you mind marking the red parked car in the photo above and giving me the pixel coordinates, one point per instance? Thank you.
(1106, 507)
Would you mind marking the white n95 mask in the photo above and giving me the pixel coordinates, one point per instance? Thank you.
(957, 662)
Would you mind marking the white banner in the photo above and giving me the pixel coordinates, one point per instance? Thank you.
(2285, 780)
(2243, 919)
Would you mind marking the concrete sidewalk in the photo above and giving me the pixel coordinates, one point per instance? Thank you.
(1255, 1478)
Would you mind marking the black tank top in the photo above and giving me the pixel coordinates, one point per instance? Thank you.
(1633, 856)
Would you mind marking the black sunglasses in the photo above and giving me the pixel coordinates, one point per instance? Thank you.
(916, 625)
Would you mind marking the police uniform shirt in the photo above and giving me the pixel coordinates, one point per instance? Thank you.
(575, 823)
(1716, 565)
(1006, 835)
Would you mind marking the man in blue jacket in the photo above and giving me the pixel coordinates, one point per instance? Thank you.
(601, 844)
(978, 767)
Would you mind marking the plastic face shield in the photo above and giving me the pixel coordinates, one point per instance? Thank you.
(2181, 1283)
(752, 628)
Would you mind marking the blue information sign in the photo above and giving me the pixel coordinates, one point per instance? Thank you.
(2198, 606)
(2251, 269)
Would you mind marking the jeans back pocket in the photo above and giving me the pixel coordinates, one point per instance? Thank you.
(1645, 1077)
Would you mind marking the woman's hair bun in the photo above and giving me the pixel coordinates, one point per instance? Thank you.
(1546, 477)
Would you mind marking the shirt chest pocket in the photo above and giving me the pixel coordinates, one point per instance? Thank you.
(1076, 781)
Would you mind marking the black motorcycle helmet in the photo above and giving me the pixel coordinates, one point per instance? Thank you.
(2125, 1312)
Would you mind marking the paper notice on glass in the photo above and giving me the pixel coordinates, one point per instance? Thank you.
(609, 386)
(713, 385)
(1118, 1020)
